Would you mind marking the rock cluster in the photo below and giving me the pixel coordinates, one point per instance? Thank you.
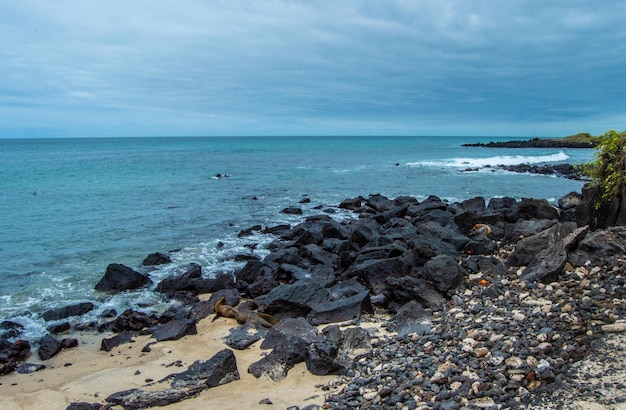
(488, 302)
(536, 143)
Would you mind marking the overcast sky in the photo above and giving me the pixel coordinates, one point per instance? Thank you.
(273, 67)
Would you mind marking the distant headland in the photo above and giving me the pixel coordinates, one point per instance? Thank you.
(582, 140)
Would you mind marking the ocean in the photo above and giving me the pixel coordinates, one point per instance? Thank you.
(70, 207)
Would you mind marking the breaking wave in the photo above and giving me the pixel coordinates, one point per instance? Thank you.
(492, 161)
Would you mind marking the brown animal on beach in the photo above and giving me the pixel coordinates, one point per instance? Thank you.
(479, 229)
(223, 310)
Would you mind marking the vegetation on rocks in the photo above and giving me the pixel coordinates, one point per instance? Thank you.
(608, 171)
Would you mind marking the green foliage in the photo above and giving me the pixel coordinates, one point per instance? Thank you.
(583, 137)
(608, 170)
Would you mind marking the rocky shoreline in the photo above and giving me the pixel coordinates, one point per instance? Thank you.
(568, 171)
(477, 305)
(536, 143)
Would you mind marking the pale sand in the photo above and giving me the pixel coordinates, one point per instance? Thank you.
(95, 374)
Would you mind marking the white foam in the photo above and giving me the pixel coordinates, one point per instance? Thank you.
(496, 160)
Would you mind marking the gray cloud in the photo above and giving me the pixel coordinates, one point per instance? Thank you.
(296, 67)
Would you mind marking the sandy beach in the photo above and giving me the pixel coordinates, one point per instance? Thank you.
(94, 374)
(86, 374)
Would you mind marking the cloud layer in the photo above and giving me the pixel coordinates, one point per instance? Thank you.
(125, 68)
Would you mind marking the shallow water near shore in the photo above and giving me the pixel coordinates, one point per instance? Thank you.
(71, 206)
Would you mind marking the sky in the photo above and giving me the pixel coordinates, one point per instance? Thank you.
(109, 68)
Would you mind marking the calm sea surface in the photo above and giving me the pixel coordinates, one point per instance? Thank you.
(69, 207)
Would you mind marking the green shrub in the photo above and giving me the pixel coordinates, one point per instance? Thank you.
(608, 170)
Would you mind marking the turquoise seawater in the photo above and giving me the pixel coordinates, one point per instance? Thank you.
(69, 207)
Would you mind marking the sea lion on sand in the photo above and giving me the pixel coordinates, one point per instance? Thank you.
(221, 309)
(479, 229)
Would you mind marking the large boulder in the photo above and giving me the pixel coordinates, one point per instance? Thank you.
(411, 318)
(130, 320)
(600, 247)
(444, 272)
(157, 258)
(599, 213)
(548, 263)
(399, 291)
(118, 278)
(530, 208)
(295, 300)
(67, 311)
(257, 278)
(339, 310)
(49, 347)
(289, 339)
(373, 273)
(527, 249)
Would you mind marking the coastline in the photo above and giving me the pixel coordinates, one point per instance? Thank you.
(493, 320)
(94, 374)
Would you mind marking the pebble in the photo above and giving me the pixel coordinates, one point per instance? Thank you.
(614, 328)
(491, 352)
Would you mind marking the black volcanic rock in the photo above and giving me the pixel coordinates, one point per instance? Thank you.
(118, 278)
(67, 311)
(157, 258)
(534, 143)
(201, 375)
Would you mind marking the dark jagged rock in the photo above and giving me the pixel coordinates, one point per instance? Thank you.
(353, 204)
(191, 281)
(277, 230)
(535, 143)
(10, 329)
(12, 355)
(292, 210)
(600, 247)
(444, 272)
(399, 291)
(530, 208)
(339, 310)
(411, 318)
(475, 205)
(513, 232)
(69, 343)
(528, 249)
(249, 231)
(201, 375)
(296, 299)
(245, 257)
(337, 350)
(548, 264)
(49, 347)
(242, 337)
(354, 344)
(286, 330)
(257, 278)
(130, 320)
(560, 170)
(320, 357)
(373, 273)
(175, 329)
(288, 339)
(279, 361)
(107, 344)
(60, 328)
(77, 309)
(609, 212)
(26, 368)
(84, 406)
(157, 258)
(118, 278)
